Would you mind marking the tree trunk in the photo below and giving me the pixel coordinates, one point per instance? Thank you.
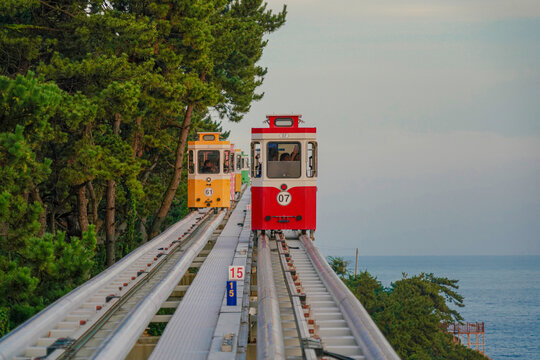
(82, 207)
(142, 229)
(93, 203)
(175, 181)
(110, 240)
(148, 172)
(43, 216)
(109, 223)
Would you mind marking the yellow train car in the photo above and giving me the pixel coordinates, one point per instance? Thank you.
(209, 172)
(238, 170)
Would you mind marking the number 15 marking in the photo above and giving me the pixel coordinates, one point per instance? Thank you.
(236, 272)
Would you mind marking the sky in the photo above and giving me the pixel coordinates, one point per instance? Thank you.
(428, 118)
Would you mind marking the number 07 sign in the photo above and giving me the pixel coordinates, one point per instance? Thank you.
(236, 273)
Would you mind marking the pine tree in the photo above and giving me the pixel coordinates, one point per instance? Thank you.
(220, 43)
(35, 267)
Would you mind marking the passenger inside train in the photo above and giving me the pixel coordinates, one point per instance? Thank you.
(208, 162)
(285, 157)
(288, 165)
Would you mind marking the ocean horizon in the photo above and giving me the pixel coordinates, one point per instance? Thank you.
(503, 291)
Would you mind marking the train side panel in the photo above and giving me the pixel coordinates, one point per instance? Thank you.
(238, 182)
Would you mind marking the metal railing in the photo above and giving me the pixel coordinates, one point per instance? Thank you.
(27, 333)
(269, 332)
(467, 328)
(372, 341)
(125, 337)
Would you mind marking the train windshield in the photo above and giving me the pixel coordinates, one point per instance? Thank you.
(208, 161)
(283, 160)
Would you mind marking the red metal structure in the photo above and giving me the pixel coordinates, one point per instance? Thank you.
(284, 175)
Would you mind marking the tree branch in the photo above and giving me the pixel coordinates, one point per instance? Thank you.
(55, 8)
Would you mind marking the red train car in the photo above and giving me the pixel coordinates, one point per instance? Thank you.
(283, 175)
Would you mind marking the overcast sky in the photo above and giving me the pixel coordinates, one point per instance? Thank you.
(428, 118)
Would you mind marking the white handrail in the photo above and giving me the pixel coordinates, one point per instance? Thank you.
(270, 343)
(125, 337)
(27, 333)
(372, 341)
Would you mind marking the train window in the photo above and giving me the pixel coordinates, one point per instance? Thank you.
(256, 160)
(191, 165)
(209, 137)
(208, 161)
(232, 161)
(311, 166)
(283, 160)
(283, 122)
(238, 162)
(226, 157)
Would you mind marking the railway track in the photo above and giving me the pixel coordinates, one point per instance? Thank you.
(121, 300)
(304, 311)
(310, 312)
(118, 331)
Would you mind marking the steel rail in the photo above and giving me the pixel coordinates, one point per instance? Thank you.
(372, 341)
(122, 340)
(94, 337)
(301, 323)
(27, 333)
(270, 343)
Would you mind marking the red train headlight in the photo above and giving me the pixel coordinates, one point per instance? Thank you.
(283, 187)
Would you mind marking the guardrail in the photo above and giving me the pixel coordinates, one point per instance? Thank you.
(270, 343)
(119, 345)
(303, 330)
(373, 343)
(27, 333)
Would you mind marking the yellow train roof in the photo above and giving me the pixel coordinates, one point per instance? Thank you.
(209, 138)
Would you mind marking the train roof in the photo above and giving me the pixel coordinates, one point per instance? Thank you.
(284, 124)
(208, 138)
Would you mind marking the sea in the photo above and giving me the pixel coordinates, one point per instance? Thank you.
(501, 291)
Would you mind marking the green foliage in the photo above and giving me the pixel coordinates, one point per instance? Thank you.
(4, 321)
(43, 270)
(28, 104)
(410, 312)
(367, 289)
(156, 329)
(339, 265)
(19, 169)
(107, 106)
(34, 270)
(238, 46)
